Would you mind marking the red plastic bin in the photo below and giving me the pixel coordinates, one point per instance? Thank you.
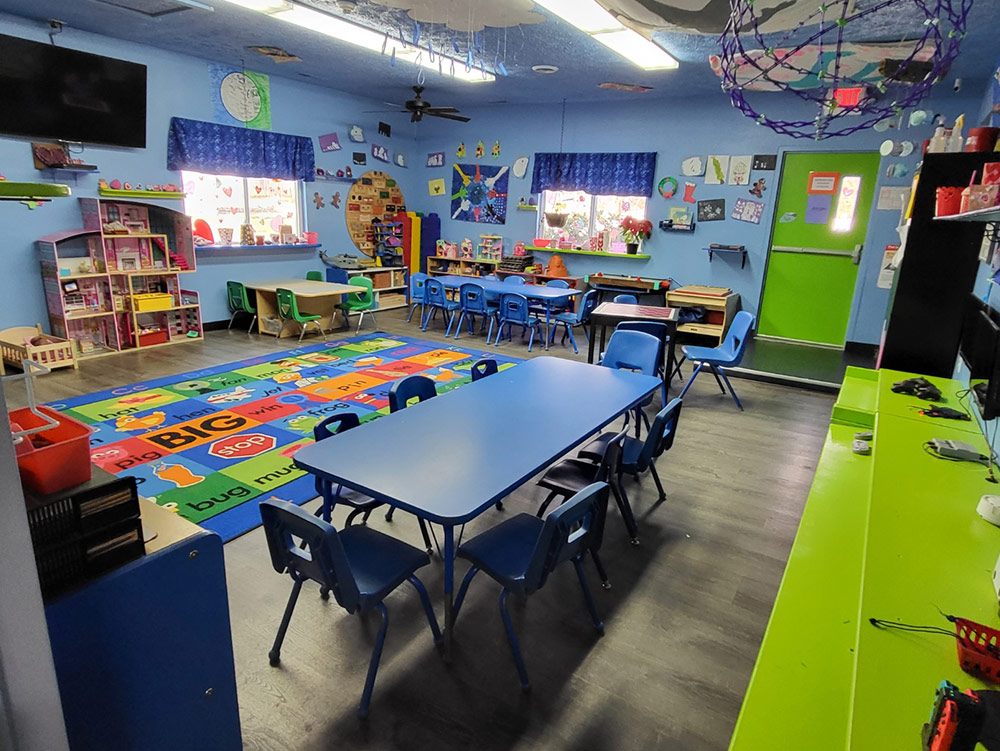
(64, 459)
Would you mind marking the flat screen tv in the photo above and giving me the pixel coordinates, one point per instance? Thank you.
(55, 93)
(980, 350)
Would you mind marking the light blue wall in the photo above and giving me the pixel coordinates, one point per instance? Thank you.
(178, 85)
(675, 129)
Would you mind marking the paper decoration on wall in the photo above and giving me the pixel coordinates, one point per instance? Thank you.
(520, 168)
(436, 159)
(717, 169)
(360, 158)
(495, 151)
(380, 152)
(668, 187)
(356, 134)
(318, 200)
(370, 198)
(240, 97)
(400, 159)
(765, 162)
(822, 183)
(688, 193)
(712, 210)
(787, 217)
(818, 208)
(896, 170)
(746, 210)
(680, 215)
(335, 200)
(758, 188)
(460, 151)
(693, 166)
(384, 129)
(479, 193)
(480, 150)
(739, 170)
(436, 187)
(329, 142)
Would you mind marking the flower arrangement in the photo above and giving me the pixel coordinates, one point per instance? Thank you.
(635, 230)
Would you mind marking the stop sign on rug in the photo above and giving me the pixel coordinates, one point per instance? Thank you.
(242, 446)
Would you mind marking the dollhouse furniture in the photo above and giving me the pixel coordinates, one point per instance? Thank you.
(116, 284)
(50, 351)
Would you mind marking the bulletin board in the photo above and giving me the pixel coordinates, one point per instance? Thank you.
(374, 196)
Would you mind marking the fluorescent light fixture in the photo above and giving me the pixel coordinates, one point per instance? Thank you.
(637, 49)
(586, 15)
(361, 36)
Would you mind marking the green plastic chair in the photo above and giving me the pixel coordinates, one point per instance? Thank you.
(314, 276)
(288, 310)
(239, 302)
(360, 303)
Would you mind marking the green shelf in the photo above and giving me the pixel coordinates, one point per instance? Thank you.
(603, 254)
(112, 193)
(10, 191)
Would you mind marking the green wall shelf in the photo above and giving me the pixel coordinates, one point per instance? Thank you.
(10, 191)
(625, 256)
(112, 193)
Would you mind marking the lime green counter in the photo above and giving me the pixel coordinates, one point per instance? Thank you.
(895, 536)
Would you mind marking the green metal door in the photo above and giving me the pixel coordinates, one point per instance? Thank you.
(819, 227)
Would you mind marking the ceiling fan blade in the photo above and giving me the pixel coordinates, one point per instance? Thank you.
(447, 116)
(415, 117)
(440, 109)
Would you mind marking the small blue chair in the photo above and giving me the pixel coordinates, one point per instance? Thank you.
(337, 276)
(661, 332)
(627, 299)
(417, 282)
(514, 279)
(726, 355)
(490, 278)
(514, 311)
(473, 302)
(359, 565)
(557, 307)
(634, 350)
(435, 299)
(569, 319)
(521, 552)
(483, 368)
(416, 387)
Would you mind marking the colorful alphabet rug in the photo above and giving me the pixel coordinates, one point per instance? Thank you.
(205, 443)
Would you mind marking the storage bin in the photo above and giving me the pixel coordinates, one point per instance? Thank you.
(56, 458)
(153, 337)
(949, 201)
(152, 301)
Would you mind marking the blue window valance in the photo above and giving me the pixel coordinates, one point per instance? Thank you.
(628, 174)
(246, 152)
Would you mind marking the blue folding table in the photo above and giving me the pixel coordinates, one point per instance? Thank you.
(545, 295)
(444, 465)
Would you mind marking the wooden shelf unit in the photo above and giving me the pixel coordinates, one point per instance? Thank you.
(389, 283)
(443, 265)
(720, 310)
(89, 278)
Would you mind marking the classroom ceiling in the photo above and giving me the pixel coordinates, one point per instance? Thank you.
(517, 33)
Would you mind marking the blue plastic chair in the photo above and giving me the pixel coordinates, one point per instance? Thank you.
(520, 553)
(416, 387)
(627, 299)
(514, 311)
(661, 332)
(434, 300)
(517, 281)
(417, 282)
(359, 565)
(557, 307)
(337, 276)
(569, 319)
(726, 355)
(483, 368)
(634, 350)
(473, 302)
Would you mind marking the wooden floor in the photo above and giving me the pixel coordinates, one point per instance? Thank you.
(683, 620)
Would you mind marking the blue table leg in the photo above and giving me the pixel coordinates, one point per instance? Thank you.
(448, 553)
(548, 322)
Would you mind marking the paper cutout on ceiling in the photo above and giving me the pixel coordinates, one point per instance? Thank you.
(693, 166)
(739, 170)
(374, 196)
(701, 17)
(718, 168)
(470, 15)
(240, 97)
(356, 133)
(329, 142)
(860, 62)
(479, 193)
(520, 168)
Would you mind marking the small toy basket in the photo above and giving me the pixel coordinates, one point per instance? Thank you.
(978, 649)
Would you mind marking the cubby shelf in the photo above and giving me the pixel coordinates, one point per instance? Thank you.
(602, 253)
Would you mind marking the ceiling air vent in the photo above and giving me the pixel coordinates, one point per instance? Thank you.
(156, 8)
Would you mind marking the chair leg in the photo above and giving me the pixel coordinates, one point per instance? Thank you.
(319, 327)
(427, 538)
(512, 639)
(600, 569)
(582, 576)
(451, 320)
(366, 695)
(659, 485)
(694, 375)
(389, 513)
(469, 575)
(252, 322)
(231, 319)
(573, 341)
(532, 339)
(490, 332)
(302, 332)
(426, 602)
(731, 391)
(717, 379)
(274, 656)
(461, 320)
(352, 516)
(545, 504)
(621, 498)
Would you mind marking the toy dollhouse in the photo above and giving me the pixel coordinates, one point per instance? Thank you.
(490, 247)
(116, 284)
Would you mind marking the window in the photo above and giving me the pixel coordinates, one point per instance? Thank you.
(227, 202)
(586, 215)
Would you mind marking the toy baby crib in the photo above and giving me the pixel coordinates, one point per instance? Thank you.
(50, 351)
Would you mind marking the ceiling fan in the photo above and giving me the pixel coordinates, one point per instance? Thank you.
(418, 107)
